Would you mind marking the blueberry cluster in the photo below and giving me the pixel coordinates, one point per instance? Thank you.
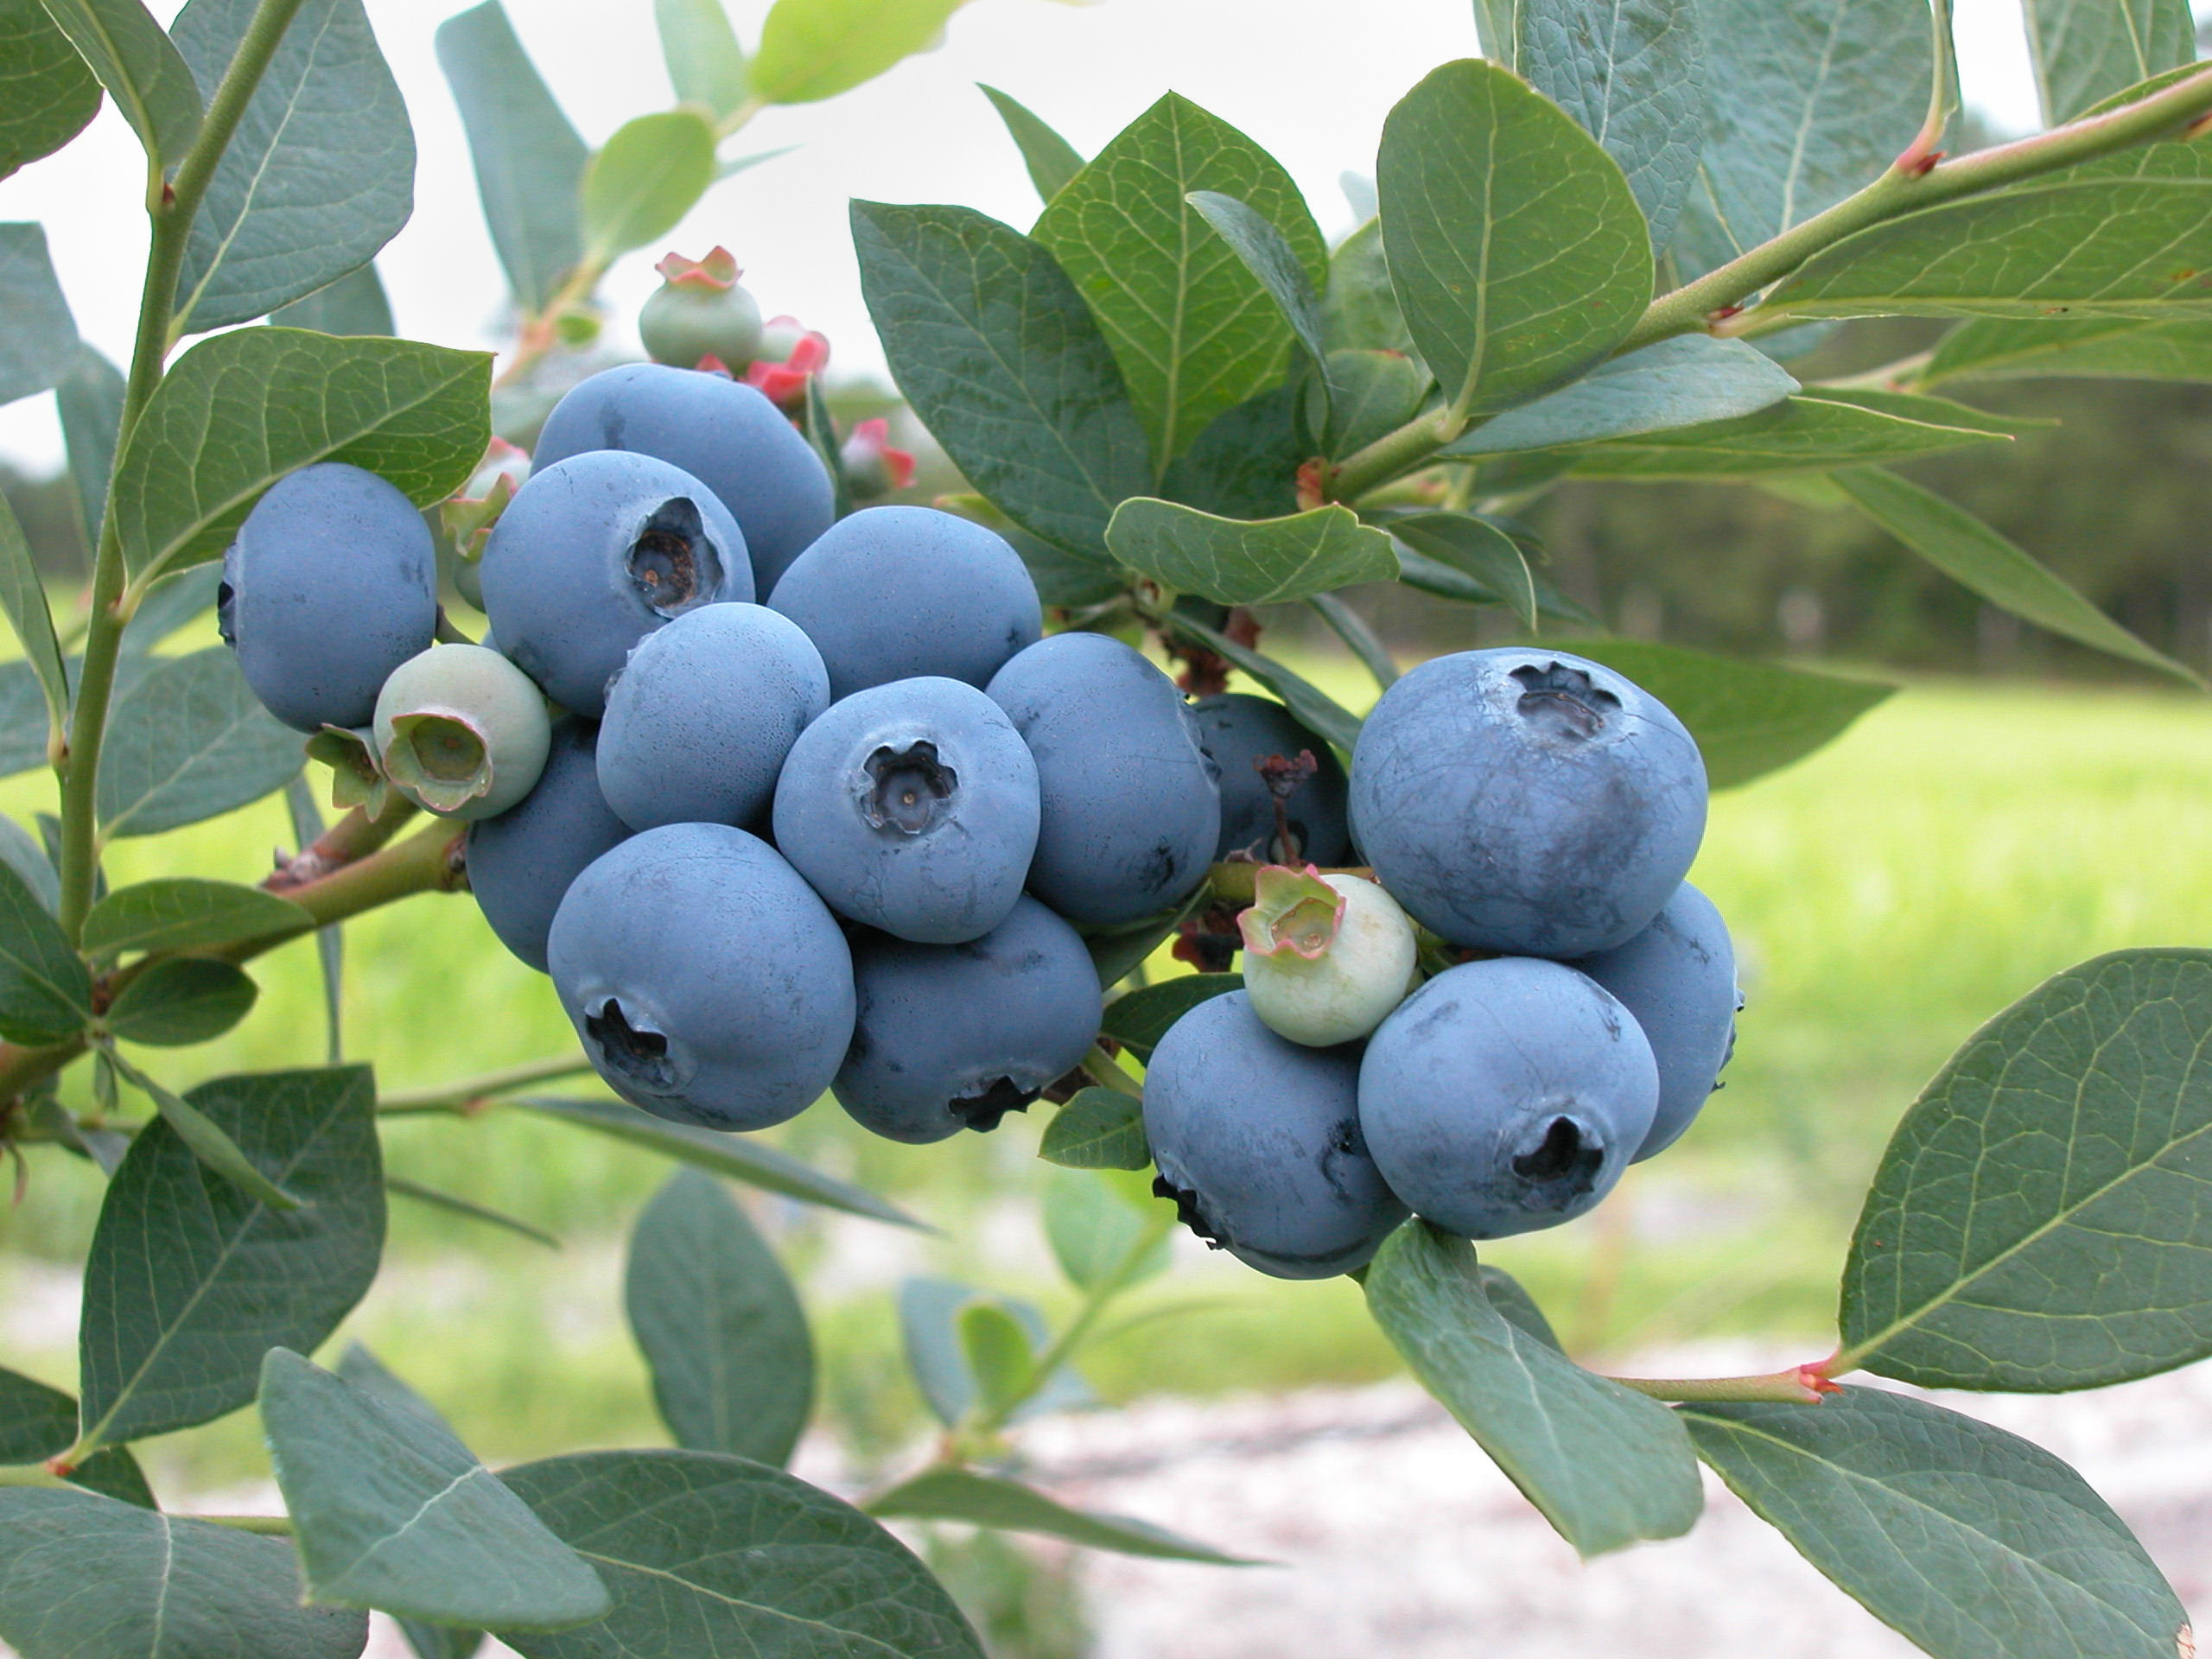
(786, 804)
(1532, 814)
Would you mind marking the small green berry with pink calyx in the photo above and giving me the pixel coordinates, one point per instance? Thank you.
(700, 311)
(1326, 957)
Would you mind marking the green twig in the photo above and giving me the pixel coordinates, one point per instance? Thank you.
(1800, 1385)
(1104, 1068)
(471, 1095)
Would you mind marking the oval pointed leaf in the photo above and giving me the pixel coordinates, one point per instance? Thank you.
(89, 399)
(1103, 1237)
(45, 992)
(1675, 383)
(1972, 1543)
(648, 176)
(1979, 558)
(2042, 1219)
(239, 411)
(354, 304)
(1999, 348)
(210, 1142)
(1817, 430)
(996, 1351)
(1316, 709)
(47, 91)
(175, 1004)
(38, 337)
(720, 1324)
(140, 68)
(1748, 718)
(190, 1281)
(705, 63)
(1139, 1019)
(1266, 253)
(182, 912)
(992, 346)
(22, 595)
(390, 1510)
(2100, 247)
(85, 1577)
(530, 162)
(1479, 550)
(1359, 312)
(2086, 50)
(319, 175)
(751, 1161)
(1606, 1467)
(929, 1331)
(1007, 1506)
(1516, 249)
(189, 741)
(1099, 1128)
(1246, 562)
(705, 1553)
(1051, 159)
(812, 49)
(1194, 332)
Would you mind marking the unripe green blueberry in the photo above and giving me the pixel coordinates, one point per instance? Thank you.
(1326, 957)
(699, 311)
(462, 732)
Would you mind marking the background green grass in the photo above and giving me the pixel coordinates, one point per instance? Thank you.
(1962, 843)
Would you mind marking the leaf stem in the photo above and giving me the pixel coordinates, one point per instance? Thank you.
(353, 838)
(172, 209)
(1104, 1070)
(470, 1094)
(1800, 1385)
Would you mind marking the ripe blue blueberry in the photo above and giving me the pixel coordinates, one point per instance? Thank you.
(1527, 801)
(912, 807)
(1131, 812)
(1505, 1096)
(942, 595)
(700, 718)
(462, 732)
(332, 583)
(593, 554)
(707, 983)
(955, 1036)
(1238, 731)
(1678, 978)
(1257, 1139)
(724, 433)
(521, 863)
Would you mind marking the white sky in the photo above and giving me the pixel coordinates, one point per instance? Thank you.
(1301, 76)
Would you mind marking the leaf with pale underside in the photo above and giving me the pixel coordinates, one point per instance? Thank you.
(48, 94)
(1676, 383)
(188, 741)
(38, 337)
(142, 69)
(1245, 562)
(2086, 50)
(182, 912)
(993, 1501)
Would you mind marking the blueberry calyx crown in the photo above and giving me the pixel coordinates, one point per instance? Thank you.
(638, 1053)
(1564, 701)
(671, 563)
(1187, 1211)
(984, 1110)
(909, 790)
(1563, 1165)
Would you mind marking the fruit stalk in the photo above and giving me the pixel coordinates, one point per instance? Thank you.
(471, 1095)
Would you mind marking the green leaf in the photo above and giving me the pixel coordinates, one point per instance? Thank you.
(710, 1555)
(1515, 1305)
(1980, 559)
(812, 49)
(151, 86)
(189, 741)
(1998, 348)
(1266, 253)
(22, 595)
(1606, 1467)
(38, 337)
(1748, 718)
(1479, 550)
(649, 176)
(1101, 1238)
(1359, 636)
(239, 411)
(1118, 950)
(530, 162)
(706, 65)
(2100, 247)
(1098, 1128)
(46, 92)
(172, 603)
(89, 399)
(1633, 74)
(2086, 50)
(1970, 1542)
(996, 1351)
(209, 1141)
(1316, 710)
(1194, 332)
(1242, 562)
(929, 1330)
(2173, 155)
(21, 852)
(982, 1500)
(992, 346)
(330, 941)
(1689, 381)
(319, 175)
(752, 1161)
(2039, 1221)
(37, 1422)
(1359, 312)
(720, 1324)
(440, 1641)
(1051, 160)
(1811, 100)
(1371, 393)
(454, 1205)
(391, 1511)
(1245, 464)
(1139, 1019)
(1518, 251)
(190, 1281)
(177, 1003)
(45, 993)
(184, 913)
(1817, 430)
(354, 304)
(85, 1577)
